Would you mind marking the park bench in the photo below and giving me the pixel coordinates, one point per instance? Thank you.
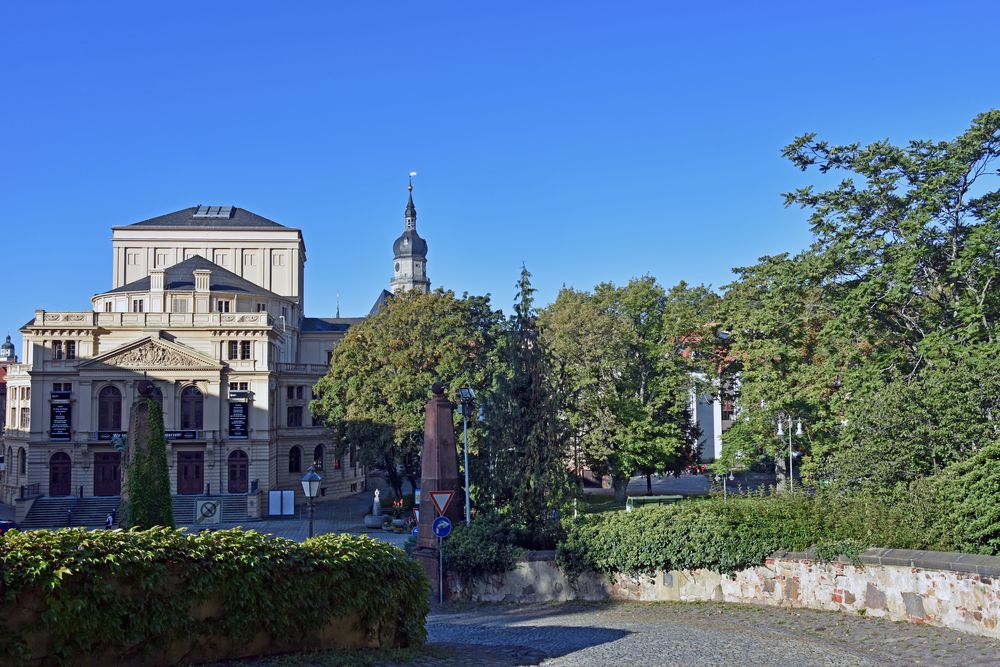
(637, 501)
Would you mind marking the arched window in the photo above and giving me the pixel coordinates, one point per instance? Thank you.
(192, 405)
(22, 461)
(109, 409)
(318, 457)
(295, 459)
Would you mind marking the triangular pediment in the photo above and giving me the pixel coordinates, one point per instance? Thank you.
(151, 353)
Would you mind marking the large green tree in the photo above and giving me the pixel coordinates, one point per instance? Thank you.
(380, 375)
(523, 459)
(624, 361)
(884, 333)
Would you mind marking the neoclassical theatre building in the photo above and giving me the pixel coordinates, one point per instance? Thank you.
(208, 304)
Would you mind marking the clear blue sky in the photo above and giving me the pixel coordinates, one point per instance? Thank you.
(591, 140)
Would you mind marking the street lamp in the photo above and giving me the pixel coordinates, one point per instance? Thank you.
(310, 486)
(465, 397)
(781, 432)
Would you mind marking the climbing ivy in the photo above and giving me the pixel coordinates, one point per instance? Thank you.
(148, 502)
(135, 593)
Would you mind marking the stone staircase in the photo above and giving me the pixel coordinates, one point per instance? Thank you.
(234, 508)
(91, 512)
(50, 513)
(87, 512)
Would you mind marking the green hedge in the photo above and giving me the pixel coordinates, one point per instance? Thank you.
(135, 593)
(486, 546)
(727, 536)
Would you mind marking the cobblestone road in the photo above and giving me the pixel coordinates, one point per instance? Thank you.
(692, 634)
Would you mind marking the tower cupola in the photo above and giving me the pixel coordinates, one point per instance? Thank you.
(409, 252)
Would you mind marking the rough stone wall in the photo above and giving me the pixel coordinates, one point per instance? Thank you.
(955, 591)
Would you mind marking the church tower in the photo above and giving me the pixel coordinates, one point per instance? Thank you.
(409, 270)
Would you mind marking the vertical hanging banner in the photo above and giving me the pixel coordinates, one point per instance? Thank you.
(60, 421)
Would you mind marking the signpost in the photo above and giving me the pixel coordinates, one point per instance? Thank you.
(441, 527)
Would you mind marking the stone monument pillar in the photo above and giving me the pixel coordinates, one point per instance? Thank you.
(438, 472)
(138, 435)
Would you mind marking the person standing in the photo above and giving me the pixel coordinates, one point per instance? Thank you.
(109, 521)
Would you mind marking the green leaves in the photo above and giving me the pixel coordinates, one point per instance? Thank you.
(122, 592)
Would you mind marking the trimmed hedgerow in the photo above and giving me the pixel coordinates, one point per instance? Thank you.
(134, 593)
(727, 536)
(488, 545)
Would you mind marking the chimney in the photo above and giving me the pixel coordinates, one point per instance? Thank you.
(201, 280)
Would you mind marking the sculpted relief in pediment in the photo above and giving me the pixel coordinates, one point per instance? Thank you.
(151, 354)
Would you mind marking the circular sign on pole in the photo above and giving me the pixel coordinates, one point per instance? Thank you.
(414, 532)
(441, 527)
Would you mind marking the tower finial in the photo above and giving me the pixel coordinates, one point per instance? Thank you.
(410, 216)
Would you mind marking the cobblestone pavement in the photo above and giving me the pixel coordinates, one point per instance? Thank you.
(689, 634)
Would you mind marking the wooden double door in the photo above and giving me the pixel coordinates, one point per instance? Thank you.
(107, 474)
(190, 472)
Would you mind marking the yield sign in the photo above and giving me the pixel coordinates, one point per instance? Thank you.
(441, 499)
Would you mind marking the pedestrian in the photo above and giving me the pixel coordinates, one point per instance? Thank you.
(109, 521)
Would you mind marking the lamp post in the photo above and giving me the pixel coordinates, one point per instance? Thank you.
(465, 397)
(310, 486)
(781, 432)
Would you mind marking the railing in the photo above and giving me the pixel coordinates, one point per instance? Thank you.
(30, 490)
(91, 318)
(312, 369)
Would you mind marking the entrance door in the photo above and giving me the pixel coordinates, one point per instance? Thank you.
(107, 474)
(190, 472)
(238, 472)
(60, 471)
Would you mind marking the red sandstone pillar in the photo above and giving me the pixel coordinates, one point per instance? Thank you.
(438, 472)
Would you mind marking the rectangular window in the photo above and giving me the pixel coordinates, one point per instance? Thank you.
(239, 386)
(132, 258)
(138, 305)
(179, 305)
(71, 349)
(107, 306)
(222, 259)
(244, 349)
(261, 307)
(298, 392)
(249, 259)
(222, 306)
(62, 386)
(294, 415)
(233, 347)
(329, 357)
(25, 418)
(290, 392)
(161, 259)
(278, 260)
(57, 349)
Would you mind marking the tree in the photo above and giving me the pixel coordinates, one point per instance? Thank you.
(884, 333)
(148, 493)
(623, 361)
(380, 375)
(523, 461)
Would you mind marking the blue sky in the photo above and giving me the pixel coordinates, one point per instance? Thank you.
(592, 141)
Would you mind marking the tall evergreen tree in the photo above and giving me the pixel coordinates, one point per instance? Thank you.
(524, 459)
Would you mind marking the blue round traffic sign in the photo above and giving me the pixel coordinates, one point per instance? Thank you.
(414, 531)
(441, 527)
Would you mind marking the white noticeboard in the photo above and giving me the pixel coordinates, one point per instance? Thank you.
(281, 503)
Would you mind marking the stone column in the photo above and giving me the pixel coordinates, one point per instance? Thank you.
(439, 472)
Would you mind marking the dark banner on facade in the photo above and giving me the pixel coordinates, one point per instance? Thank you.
(238, 420)
(60, 421)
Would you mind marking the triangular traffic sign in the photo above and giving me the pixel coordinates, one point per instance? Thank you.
(441, 499)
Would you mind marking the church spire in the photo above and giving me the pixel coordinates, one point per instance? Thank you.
(410, 216)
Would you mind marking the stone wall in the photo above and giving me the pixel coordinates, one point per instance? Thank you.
(957, 591)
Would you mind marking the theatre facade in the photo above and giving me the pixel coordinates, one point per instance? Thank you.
(208, 304)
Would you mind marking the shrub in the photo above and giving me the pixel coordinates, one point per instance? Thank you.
(969, 497)
(126, 595)
(727, 536)
(486, 546)
(148, 499)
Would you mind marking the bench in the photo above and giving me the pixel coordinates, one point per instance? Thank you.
(637, 501)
